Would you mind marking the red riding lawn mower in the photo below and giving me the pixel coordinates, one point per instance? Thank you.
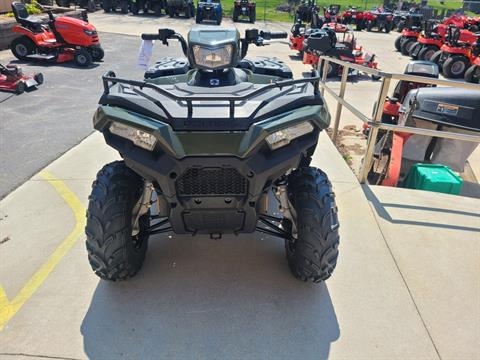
(472, 75)
(354, 16)
(324, 42)
(61, 39)
(12, 79)
(429, 42)
(463, 22)
(407, 39)
(380, 18)
(455, 56)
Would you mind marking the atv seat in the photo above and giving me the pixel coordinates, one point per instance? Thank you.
(23, 18)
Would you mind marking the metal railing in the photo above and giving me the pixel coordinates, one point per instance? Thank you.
(375, 122)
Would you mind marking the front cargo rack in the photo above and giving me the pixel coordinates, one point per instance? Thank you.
(109, 79)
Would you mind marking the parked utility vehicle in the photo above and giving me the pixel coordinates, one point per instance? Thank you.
(209, 10)
(178, 7)
(244, 8)
(207, 149)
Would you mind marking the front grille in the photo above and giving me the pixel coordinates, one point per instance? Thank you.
(211, 181)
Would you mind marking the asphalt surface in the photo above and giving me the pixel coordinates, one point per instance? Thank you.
(37, 127)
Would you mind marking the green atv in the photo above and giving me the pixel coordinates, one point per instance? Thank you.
(212, 144)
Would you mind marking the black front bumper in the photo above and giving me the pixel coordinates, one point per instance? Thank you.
(213, 194)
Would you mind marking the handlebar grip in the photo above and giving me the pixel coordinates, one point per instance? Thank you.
(269, 35)
(150, 37)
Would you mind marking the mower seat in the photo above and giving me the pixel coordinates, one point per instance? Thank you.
(21, 15)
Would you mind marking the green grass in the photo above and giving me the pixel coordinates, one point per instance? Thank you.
(267, 8)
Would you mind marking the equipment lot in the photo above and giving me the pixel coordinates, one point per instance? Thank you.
(406, 285)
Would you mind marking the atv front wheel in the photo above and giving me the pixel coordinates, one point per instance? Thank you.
(107, 5)
(369, 26)
(114, 252)
(388, 27)
(313, 251)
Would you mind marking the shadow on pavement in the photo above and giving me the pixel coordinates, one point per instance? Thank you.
(381, 209)
(202, 298)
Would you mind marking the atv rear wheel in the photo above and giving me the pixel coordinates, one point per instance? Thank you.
(313, 251)
(22, 47)
(107, 5)
(388, 27)
(455, 66)
(472, 75)
(171, 12)
(401, 24)
(82, 57)
(427, 52)
(124, 6)
(369, 26)
(114, 252)
(360, 25)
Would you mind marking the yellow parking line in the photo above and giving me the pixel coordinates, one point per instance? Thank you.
(9, 308)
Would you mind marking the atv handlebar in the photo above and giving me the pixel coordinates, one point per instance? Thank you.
(164, 35)
(269, 35)
(252, 36)
(149, 36)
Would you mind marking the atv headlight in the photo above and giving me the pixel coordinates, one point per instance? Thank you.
(284, 137)
(213, 58)
(138, 137)
(90, 32)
